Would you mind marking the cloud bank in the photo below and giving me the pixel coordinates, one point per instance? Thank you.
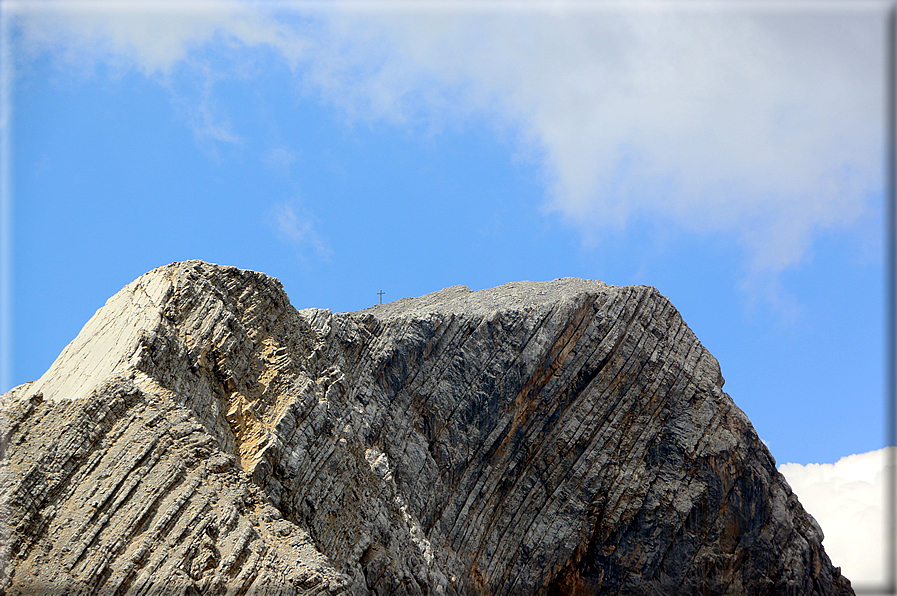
(712, 118)
(763, 126)
(847, 499)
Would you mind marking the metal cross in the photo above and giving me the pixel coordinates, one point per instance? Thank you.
(380, 293)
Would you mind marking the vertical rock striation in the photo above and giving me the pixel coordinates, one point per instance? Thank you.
(202, 436)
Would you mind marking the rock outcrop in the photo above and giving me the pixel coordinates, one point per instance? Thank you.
(201, 436)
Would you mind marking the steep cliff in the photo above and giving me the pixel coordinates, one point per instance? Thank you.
(200, 435)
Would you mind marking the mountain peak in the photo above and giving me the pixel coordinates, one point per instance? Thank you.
(201, 434)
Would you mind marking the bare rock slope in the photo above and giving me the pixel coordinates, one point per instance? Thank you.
(201, 436)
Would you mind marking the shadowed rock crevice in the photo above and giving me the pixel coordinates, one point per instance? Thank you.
(566, 437)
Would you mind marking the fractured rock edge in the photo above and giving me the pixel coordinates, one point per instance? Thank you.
(556, 437)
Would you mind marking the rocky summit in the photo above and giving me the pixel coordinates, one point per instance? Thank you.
(201, 436)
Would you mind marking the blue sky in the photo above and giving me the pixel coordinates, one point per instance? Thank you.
(730, 157)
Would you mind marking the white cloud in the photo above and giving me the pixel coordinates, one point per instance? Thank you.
(160, 38)
(767, 127)
(712, 117)
(847, 499)
(151, 35)
(297, 230)
(279, 158)
(200, 109)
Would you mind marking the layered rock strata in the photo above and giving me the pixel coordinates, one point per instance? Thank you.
(201, 436)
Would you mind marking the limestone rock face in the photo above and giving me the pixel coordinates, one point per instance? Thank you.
(201, 436)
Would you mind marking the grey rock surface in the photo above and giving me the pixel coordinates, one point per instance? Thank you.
(201, 436)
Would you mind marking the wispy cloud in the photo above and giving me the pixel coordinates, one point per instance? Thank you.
(847, 499)
(197, 104)
(297, 230)
(279, 158)
(715, 118)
